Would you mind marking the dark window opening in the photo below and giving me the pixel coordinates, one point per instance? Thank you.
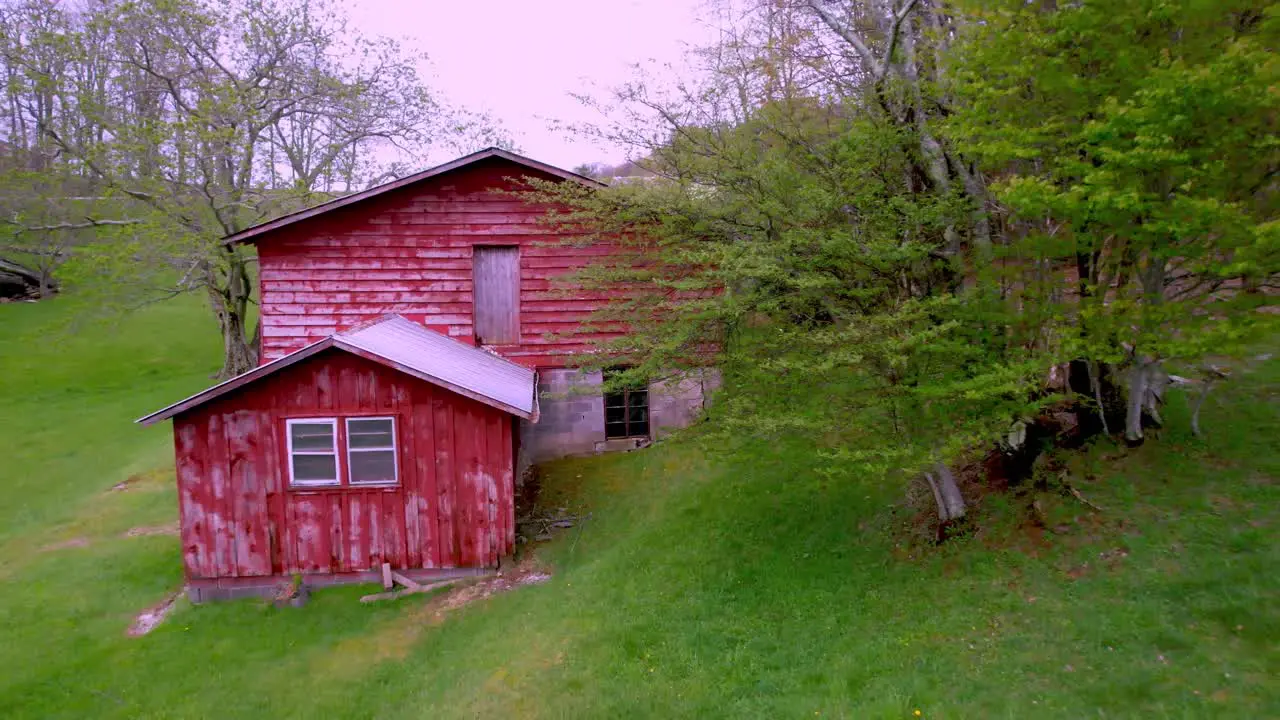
(626, 413)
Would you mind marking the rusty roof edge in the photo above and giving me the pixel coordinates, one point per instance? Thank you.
(336, 203)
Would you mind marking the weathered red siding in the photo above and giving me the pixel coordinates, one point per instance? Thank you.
(453, 506)
(410, 251)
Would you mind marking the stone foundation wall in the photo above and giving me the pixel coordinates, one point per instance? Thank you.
(674, 404)
(571, 419)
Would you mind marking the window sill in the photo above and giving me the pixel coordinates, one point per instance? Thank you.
(334, 489)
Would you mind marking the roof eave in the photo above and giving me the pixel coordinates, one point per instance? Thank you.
(249, 234)
(335, 341)
(227, 386)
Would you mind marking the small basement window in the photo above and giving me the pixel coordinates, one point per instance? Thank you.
(626, 413)
(371, 450)
(313, 452)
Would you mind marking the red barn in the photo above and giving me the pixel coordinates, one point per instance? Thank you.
(418, 344)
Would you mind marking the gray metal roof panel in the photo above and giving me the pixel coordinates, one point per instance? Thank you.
(428, 352)
(410, 348)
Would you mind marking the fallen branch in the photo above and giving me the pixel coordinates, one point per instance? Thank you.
(1076, 494)
(1212, 373)
(88, 223)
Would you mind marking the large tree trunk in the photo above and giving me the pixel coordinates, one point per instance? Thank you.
(230, 301)
(946, 493)
(1147, 381)
(238, 356)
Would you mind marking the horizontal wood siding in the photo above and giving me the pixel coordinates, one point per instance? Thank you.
(410, 252)
(240, 519)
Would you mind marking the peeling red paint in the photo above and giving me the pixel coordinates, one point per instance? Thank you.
(409, 251)
(240, 519)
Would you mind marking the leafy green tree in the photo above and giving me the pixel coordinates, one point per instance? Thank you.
(795, 255)
(201, 118)
(1137, 146)
(801, 230)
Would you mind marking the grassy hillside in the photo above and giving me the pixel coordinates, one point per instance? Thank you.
(751, 586)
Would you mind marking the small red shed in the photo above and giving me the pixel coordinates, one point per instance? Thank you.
(385, 443)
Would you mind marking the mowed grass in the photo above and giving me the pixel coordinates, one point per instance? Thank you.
(756, 585)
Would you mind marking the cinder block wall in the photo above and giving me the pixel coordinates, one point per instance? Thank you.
(571, 416)
(571, 419)
(676, 403)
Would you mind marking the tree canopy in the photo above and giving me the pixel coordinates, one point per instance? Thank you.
(948, 216)
(191, 120)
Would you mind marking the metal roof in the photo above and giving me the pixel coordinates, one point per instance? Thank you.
(251, 234)
(412, 349)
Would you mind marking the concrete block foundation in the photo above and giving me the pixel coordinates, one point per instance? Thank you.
(571, 420)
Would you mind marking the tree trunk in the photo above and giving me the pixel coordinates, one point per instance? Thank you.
(238, 356)
(980, 220)
(1146, 383)
(1095, 384)
(230, 301)
(946, 493)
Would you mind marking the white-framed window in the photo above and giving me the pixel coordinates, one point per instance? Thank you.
(371, 451)
(313, 451)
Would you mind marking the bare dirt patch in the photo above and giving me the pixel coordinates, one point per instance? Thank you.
(150, 618)
(525, 573)
(149, 530)
(394, 640)
(75, 542)
(149, 481)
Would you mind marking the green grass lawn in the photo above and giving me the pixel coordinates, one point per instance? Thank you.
(751, 586)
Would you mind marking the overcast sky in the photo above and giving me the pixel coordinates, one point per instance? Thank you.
(520, 59)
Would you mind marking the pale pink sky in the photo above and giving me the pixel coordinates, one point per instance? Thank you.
(520, 59)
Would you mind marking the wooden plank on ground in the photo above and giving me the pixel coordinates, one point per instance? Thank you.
(407, 582)
(408, 591)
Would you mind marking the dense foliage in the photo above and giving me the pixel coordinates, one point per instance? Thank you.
(946, 217)
(165, 125)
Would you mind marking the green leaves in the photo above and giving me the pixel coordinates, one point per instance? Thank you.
(1143, 133)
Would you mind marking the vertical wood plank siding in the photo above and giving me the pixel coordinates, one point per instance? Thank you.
(411, 252)
(240, 518)
(497, 294)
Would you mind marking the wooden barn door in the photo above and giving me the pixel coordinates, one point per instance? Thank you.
(496, 294)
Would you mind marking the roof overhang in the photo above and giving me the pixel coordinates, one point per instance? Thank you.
(360, 343)
(254, 233)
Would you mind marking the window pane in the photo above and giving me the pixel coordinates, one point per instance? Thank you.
(614, 414)
(638, 398)
(615, 430)
(315, 468)
(638, 415)
(311, 436)
(370, 433)
(373, 466)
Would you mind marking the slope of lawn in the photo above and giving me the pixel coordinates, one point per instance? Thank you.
(702, 586)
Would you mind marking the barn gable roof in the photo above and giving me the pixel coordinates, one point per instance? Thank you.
(254, 233)
(412, 349)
